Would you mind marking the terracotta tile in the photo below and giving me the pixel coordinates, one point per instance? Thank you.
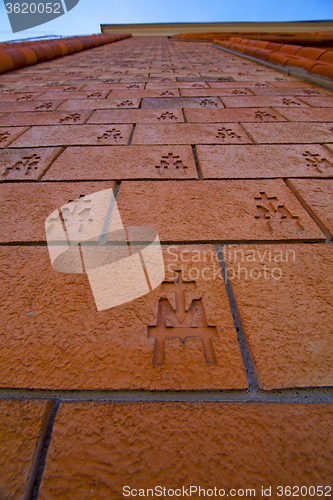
(30, 106)
(124, 162)
(20, 428)
(26, 164)
(140, 93)
(248, 446)
(317, 195)
(300, 133)
(104, 344)
(74, 134)
(215, 92)
(188, 133)
(232, 115)
(215, 210)
(43, 118)
(182, 102)
(44, 87)
(283, 295)
(263, 101)
(79, 94)
(176, 85)
(115, 86)
(287, 91)
(166, 115)
(26, 206)
(319, 102)
(79, 104)
(9, 134)
(308, 114)
(273, 161)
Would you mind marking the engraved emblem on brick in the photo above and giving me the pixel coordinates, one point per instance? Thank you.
(208, 102)
(171, 161)
(224, 133)
(25, 97)
(134, 86)
(167, 93)
(239, 92)
(4, 136)
(74, 117)
(198, 86)
(290, 102)
(46, 105)
(311, 92)
(258, 84)
(167, 116)
(26, 165)
(70, 89)
(125, 104)
(270, 210)
(114, 134)
(263, 114)
(121, 263)
(315, 160)
(181, 323)
(94, 95)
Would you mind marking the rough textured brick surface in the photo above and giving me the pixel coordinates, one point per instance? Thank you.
(26, 164)
(297, 133)
(7, 135)
(233, 115)
(317, 196)
(308, 114)
(215, 210)
(74, 134)
(182, 102)
(255, 101)
(230, 162)
(190, 133)
(42, 118)
(78, 104)
(124, 162)
(20, 428)
(144, 445)
(165, 115)
(25, 207)
(67, 344)
(286, 311)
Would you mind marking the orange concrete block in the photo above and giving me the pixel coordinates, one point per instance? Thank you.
(117, 348)
(275, 288)
(99, 448)
(20, 428)
(317, 195)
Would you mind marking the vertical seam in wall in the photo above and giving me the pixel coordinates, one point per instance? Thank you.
(194, 152)
(247, 133)
(38, 464)
(247, 361)
(131, 135)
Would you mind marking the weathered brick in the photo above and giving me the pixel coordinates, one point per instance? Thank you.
(42, 118)
(25, 207)
(182, 102)
(190, 133)
(263, 101)
(215, 210)
(9, 134)
(92, 103)
(176, 445)
(165, 115)
(317, 195)
(297, 133)
(124, 162)
(74, 134)
(26, 164)
(233, 115)
(52, 336)
(232, 162)
(284, 298)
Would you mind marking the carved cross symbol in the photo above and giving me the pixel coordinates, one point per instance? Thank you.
(238, 92)
(167, 116)
(114, 133)
(290, 102)
(310, 92)
(208, 102)
(167, 93)
(46, 105)
(262, 114)
(134, 86)
(95, 94)
(198, 86)
(70, 89)
(171, 161)
(25, 97)
(4, 136)
(27, 161)
(268, 212)
(73, 117)
(181, 323)
(261, 85)
(313, 159)
(125, 104)
(77, 214)
(224, 132)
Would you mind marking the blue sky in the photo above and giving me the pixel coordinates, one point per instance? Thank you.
(87, 16)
